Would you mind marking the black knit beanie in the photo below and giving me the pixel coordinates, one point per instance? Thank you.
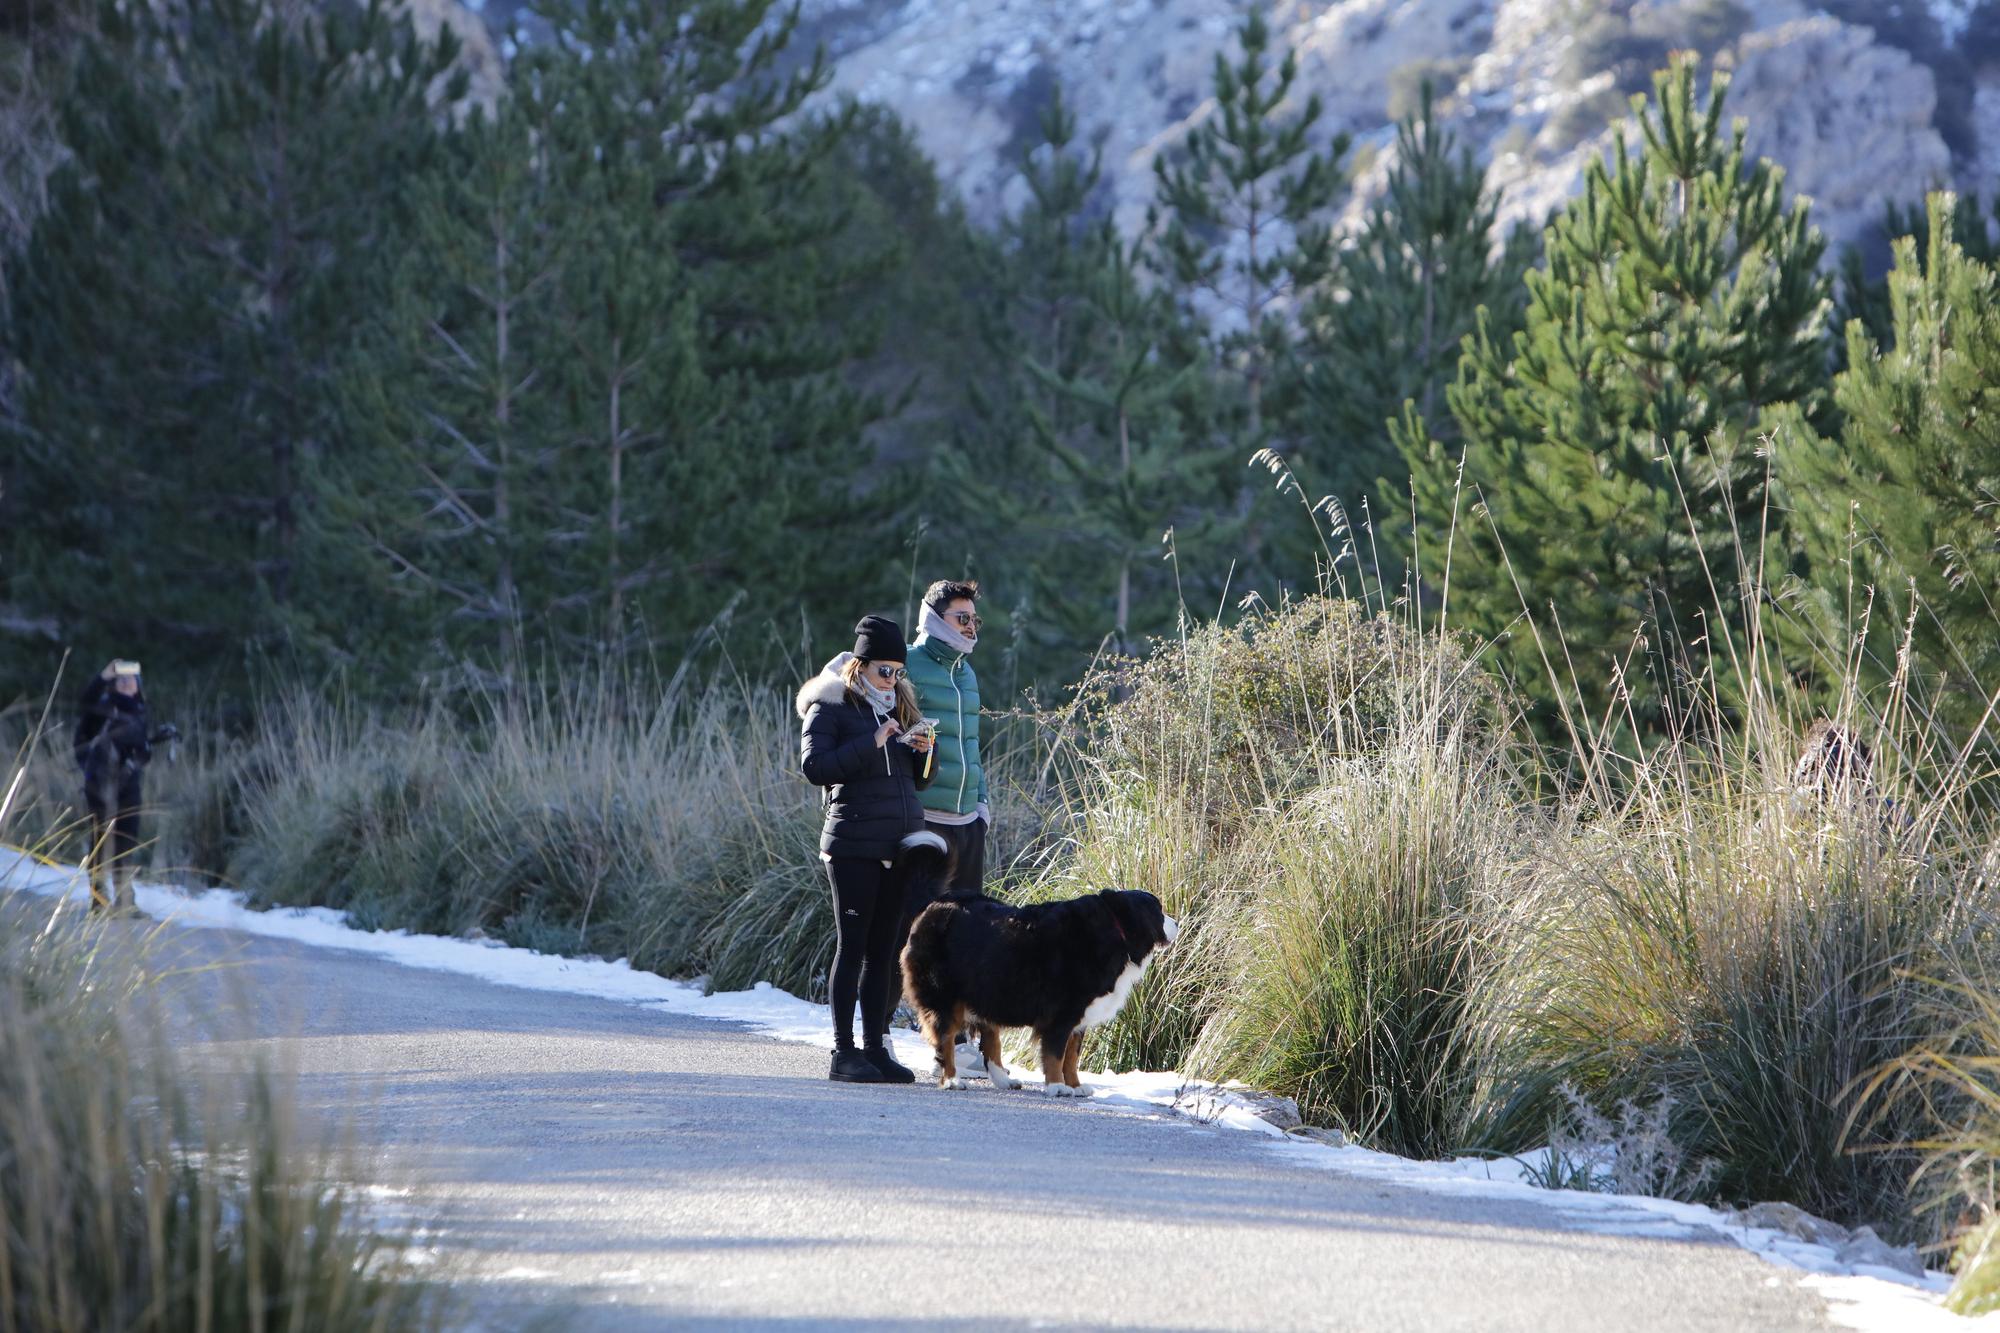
(878, 639)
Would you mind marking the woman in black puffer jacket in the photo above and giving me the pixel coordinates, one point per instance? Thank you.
(861, 741)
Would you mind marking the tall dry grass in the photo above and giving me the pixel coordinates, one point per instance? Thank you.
(1245, 774)
(1362, 940)
(1749, 945)
(139, 1194)
(588, 819)
(1425, 930)
(1953, 1076)
(1736, 911)
(598, 816)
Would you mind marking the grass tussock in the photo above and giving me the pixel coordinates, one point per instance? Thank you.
(1256, 779)
(136, 1194)
(671, 832)
(1749, 946)
(1348, 982)
(1953, 1075)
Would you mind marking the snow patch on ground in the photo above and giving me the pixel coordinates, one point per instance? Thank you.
(1868, 1299)
(775, 1012)
(1880, 1307)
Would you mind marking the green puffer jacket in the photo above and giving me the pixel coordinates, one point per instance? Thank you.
(948, 691)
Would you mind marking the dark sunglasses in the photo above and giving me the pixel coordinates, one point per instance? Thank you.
(889, 673)
(966, 620)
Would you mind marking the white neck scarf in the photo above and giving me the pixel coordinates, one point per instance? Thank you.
(931, 625)
(882, 701)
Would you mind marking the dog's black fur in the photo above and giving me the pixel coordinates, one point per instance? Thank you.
(972, 960)
(924, 866)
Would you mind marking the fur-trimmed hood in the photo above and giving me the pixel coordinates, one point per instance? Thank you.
(825, 688)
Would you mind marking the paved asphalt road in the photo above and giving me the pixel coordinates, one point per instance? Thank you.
(612, 1168)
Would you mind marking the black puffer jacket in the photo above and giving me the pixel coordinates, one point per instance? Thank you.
(110, 736)
(871, 790)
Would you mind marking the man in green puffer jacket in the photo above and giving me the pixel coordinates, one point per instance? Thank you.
(941, 673)
(955, 801)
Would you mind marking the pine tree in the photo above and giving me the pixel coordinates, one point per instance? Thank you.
(932, 307)
(635, 398)
(1612, 444)
(1125, 467)
(1241, 213)
(187, 302)
(1402, 299)
(669, 368)
(1867, 298)
(1097, 441)
(741, 446)
(444, 507)
(1054, 252)
(1901, 501)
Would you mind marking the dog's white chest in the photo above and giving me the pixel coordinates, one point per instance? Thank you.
(1105, 1007)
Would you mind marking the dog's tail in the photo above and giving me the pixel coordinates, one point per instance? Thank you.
(924, 866)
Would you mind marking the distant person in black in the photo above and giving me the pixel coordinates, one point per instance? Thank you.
(112, 746)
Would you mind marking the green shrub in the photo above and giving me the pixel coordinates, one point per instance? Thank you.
(1631, 42)
(1347, 986)
(1408, 81)
(1585, 117)
(1749, 945)
(1204, 776)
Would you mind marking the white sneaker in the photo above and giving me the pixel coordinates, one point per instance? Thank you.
(971, 1064)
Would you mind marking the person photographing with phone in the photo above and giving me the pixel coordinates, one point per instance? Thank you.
(863, 741)
(112, 746)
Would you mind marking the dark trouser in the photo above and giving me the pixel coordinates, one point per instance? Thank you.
(968, 845)
(114, 836)
(867, 908)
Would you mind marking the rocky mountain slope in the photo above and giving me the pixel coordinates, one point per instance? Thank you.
(1845, 95)
(1863, 101)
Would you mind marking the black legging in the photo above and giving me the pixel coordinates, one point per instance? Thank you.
(866, 911)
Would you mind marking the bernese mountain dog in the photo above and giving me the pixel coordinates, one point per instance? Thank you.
(1055, 968)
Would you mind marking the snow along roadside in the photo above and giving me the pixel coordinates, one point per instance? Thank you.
(1861, 1297)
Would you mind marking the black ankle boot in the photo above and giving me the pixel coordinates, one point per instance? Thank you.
(852, 1066)
(878, 1055)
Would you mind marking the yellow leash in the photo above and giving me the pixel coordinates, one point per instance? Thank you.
(53, 865)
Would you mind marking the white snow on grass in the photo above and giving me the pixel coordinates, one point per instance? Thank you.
(1865, 1298)
(1952, 16)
